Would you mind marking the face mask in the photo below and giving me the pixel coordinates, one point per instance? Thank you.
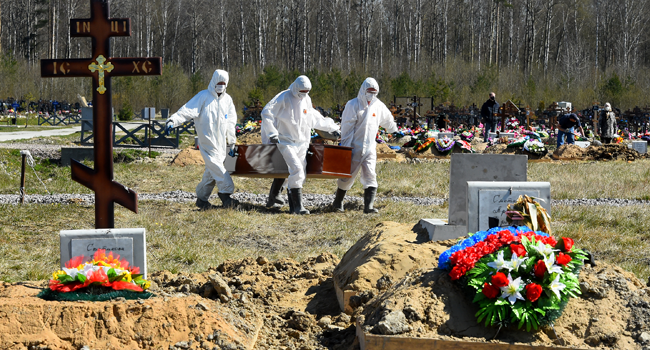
(220, 88)
(370, 96)
(492, 98)
(302, 95)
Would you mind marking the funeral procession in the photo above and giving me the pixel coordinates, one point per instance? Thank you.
(324, 175)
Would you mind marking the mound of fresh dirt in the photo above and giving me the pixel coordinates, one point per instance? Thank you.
(251, 138)
(569, 151)
(383, 148)
(501, 148)
(188, 156)
(612, 152)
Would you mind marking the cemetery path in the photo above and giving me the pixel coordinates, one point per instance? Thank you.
(25, 135)
(312, 200)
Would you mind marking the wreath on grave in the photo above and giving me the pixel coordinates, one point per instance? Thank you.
(465, 146)
(102, 278)
(517, 142)
(445, 145)
(512, 123)
(535, 146)
(466, 135)
(532, 134)
(423, 145)
(543, 134)
(516, 275)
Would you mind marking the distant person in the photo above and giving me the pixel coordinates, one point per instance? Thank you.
(607, 124)
(566, 126)
(287, 120)
(488, 111)
(360, 121)
(215, 118)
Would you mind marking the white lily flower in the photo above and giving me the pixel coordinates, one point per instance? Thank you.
(556, 286)
(549, 261)
(544, 249)
(516, 262)
(88, 269)
(499, 263)
(71, 272)
(511, 291)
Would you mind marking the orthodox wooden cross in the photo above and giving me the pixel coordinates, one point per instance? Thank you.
(101, 67)
(509, 109)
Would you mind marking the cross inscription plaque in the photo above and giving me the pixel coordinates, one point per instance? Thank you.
(101, 67)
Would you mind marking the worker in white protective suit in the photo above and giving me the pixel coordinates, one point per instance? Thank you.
(214, 117)
(360, 121)
(287, 120)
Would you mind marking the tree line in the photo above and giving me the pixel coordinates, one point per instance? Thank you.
(533, 52)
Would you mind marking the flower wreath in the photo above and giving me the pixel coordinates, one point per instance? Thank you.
(517, 142)
(445, 144)
(464, 145)
(103, 274)
(423, 145)
(534, 146)
(516, 275)
(512, 122)
(466, 135)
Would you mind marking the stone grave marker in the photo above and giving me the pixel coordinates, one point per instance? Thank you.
(472, 167)
(583, 144)
(640, 146)
(487, 200)
(130, 244)
(442, 135)
(509, 135)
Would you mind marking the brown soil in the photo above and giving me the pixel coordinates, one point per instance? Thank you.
(383, 148)
(569, 151)
(252, 138)
(283, 304)
(501, 148)
(188, 156)
(612, 152)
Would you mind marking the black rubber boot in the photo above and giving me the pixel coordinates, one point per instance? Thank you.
(275, 200)
(337, 205)
(204, 205)
(296, 198)
(290, 201)
(369, 200)
(227, 201)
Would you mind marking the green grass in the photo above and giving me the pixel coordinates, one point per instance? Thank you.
(5, 128)
(181, 238)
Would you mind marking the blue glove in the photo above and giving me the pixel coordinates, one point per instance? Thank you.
(273, 139)
(232, 149)
(168, 128)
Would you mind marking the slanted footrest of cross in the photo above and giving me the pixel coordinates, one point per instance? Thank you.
(106, 190)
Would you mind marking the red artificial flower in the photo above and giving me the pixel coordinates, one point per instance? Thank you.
(518, 249)
(500, 280)
(121, 285)
(539, 269)
(456, 273)
(65, 288)
(97, 276)
(563, 259)
(74, 262)
(490, 291)
(565, 244)
(533, 291)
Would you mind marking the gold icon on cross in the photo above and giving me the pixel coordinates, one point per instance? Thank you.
(101, 68)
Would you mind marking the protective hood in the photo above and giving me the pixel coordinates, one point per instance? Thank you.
(218, 76)
(301, 83)
(367, 84)
(608, 107)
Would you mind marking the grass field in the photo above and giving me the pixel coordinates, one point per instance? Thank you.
(180, 238)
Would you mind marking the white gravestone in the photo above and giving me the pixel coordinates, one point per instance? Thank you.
(583, 144)
(640, 146)
(487, 200)
(509, 135)
(130, 244)
(442, 135)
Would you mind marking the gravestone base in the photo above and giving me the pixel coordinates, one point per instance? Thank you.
(440, 230)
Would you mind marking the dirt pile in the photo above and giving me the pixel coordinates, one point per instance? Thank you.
(250, 138)
(612, 152)
(569, 152)
(188, 156)
(501, 148)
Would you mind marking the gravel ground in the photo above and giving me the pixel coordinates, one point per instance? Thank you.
(47, 151)
(311, 200)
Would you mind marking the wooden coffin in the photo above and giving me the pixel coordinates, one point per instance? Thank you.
(323, 162)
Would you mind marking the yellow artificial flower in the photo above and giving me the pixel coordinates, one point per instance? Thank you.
(146, 285)
(57, 274)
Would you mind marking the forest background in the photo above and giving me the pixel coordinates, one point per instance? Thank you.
(533, 52)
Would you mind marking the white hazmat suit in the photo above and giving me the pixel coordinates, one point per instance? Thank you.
(214, 118)
(290, 117)
(360, 122)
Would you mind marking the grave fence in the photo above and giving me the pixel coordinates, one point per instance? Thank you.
(141, 135)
